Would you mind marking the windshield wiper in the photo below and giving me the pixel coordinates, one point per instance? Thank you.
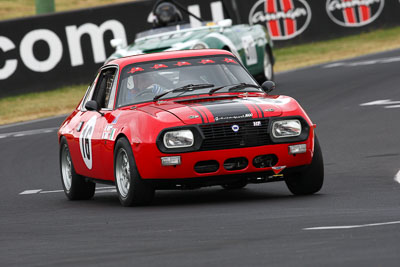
(243, 86)
(212, 91)
(185, 88)
(234, 87)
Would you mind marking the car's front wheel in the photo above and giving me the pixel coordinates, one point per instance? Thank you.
(131, 189)
(311, 180)
(268, 66)
(75, 186)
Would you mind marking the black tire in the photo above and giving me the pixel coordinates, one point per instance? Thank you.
(266, 75)
(236, 185)
(311, 180)
(268, 63)
(137, 192)
(75, 186)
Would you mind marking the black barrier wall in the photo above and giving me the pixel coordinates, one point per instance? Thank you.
(45, 52)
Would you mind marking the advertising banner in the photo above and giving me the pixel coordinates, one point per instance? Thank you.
(48, 51)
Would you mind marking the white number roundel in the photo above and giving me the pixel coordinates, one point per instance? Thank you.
(85, 142)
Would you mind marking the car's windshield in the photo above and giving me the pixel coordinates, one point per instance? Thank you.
(142, 82)
(161, 30)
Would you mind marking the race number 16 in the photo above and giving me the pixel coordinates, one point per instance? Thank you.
(85, 142)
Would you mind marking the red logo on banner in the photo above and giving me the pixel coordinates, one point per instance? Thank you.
(354, 13)
(133, 70)
(159, 66)
(182, 63)
(284, 19)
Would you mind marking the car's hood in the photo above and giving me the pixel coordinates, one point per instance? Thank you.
(218, 110)
(176, 40)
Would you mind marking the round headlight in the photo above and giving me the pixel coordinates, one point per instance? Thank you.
(199, 46)
(178, 139)
(286, 128)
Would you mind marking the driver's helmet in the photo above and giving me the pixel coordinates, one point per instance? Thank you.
(143, 81)
(167, 14)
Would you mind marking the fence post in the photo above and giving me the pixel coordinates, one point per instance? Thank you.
(44, 6)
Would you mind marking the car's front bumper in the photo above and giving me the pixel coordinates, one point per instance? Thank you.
(148, 161)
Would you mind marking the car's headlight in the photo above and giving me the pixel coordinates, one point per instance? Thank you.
(178, 139)
(286, 128)
(199, 46)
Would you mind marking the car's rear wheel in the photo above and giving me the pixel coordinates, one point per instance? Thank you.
(75, 186)
(310, 180)
(131, 189)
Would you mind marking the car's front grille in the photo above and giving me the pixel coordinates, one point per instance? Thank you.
(223, 135)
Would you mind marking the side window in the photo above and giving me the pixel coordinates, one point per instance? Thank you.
(102, 92)
(89, 92)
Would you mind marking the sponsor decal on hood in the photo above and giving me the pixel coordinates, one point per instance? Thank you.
(222, 110)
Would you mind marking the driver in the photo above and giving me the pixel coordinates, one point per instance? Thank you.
(140, 85)
(166, 14)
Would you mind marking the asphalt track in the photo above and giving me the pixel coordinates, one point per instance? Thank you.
(353, 221)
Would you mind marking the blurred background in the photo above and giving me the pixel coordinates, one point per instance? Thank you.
(50, 49)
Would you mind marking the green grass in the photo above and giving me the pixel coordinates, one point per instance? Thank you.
(40, 105)
(337, 49)
(64, 100)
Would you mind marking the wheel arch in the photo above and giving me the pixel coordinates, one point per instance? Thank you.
(119, 136)
(225, 47)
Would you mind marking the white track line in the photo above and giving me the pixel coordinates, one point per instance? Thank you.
(53, 191)
(32, 121)
(29, 132)
(30, 192)
(394, 106)
(350, 226)
(106, 189)
(397, 177)
(98, 191)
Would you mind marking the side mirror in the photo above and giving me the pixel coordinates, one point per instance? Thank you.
(92, 105)
(116, 43)
(268, 86)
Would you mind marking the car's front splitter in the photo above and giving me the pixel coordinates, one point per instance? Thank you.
(247, 178)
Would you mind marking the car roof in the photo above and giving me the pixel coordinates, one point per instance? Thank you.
(122, 62)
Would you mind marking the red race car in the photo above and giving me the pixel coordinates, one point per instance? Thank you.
(184, 120)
